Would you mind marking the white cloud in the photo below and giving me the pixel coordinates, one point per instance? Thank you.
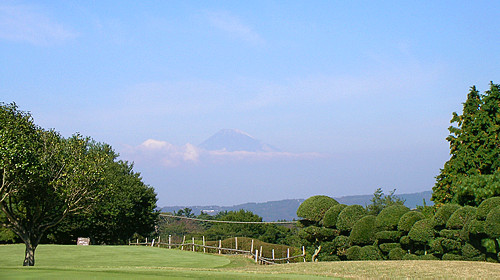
(27, 24)
(231, 24)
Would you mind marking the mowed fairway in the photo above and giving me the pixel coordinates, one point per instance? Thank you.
(130, 262)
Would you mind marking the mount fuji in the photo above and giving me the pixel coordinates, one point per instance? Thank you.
(232, 140)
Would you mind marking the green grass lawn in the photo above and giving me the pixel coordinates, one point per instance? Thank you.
(133, 262)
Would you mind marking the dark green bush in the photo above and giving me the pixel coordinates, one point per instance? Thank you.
(330, 218)
(469, 252)
(444, 213)
(354, 253)
(404, 240)
(341, 243)
(396, 254)
(489, 245)
(370, 253)
(476, 227)
(349, 216)
(329, 258)
(388, 236)
(435, 245)
(408, 220)
(387, 247)
(450, 233)
(316, 234)
(422, 231)
(452, 257)
(388, 218)
(410, 257)
(485, 207)
(492, 223)
(315, 207)
(451, 245)
(460, 217)
(428, 257)
(363, 231)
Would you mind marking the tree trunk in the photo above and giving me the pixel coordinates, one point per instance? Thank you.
(29, 259)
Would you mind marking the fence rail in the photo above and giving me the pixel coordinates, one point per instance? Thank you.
(255, 254)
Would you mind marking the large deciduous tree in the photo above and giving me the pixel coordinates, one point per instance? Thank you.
(474, 146)
(44, 176)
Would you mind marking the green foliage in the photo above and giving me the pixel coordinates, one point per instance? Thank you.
(450, 233)
(476, 227)
(389, 217)
(349, 216)
(492, 223)
(381, 201)
(486, 206)
(315, 234)
(472, 190)
(404, 240)
(410, 257)
(489, 245)
(387, 247)
(341, 244)
(469, 252)
(428, 257)
(363, 231)
(474, 146)
(315, 207)
(461, 217)
(435, 245)
(226, 230)
(388, 236)
(330, 218)
(444, 213)
(452, 257)
(422, 231)
(370, 253)
(408, 219)
(450, 245)
(354, 253)
(396, 254)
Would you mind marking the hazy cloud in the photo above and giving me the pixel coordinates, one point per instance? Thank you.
(233, 25)
(27, 24)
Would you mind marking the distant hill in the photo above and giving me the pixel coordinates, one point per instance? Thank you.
(287, 209)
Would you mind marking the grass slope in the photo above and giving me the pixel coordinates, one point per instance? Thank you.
(130, 262)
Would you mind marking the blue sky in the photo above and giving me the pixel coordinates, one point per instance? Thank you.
(357, 94)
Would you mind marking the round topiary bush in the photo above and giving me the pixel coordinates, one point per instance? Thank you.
(396, 254)
(388, 218)
(314, 233)
(443, 214)
(370, 253)
(315, 207)
(450, 233)
(422, 231)
(363, 231)
(469, 252)
(452, 257)
(387, 247)
(408, 220)
(329, 258)
(330, 218)
(404, 240)
(476, 227)
(460, 217)
(349, 216)
(410, 257)
(485, 207)
(435, 245)
(341, 243)
(450, 245)
(354, 253)
(428, 257)
(492, 223)
(388, 236)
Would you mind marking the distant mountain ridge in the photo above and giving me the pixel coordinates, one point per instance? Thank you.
(232, 140)
(286, 209)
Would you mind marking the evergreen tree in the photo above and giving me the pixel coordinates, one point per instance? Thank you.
(474, 143)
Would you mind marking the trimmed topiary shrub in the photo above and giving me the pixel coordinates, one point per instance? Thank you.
(370, 253)
(314, 233)
(452, 257)
(349, 216)
(315, 207)
(485, 207)
(460, 217)
(341, 243)
(387, 247)
(330, 218)
(410, 257)
(422, 231)
(450, 233)
(450, 245)
(404, 240)
(476, 227)
(363, 231)
(435, 246)
(388, 218)
(443, 214)
(396, 254)
(329, 258)
(408, 220)
(469, 252)
(388, 236)
(492, 223)
(428, 257)
(489, 245)
(354, 253)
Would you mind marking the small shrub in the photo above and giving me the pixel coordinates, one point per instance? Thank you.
(349, 216)
(422, 231)
(435, 245)
(452, 257)
(354, 253)
(410, 257)
(329, 258)
(315, 207)
(389, 217)
(476, 227)
(408, 220)
(428, 257)
(363, 231)
(469, 252)
(451, 245)
(330, 218)
(341, 244)
(388, 236)
(489, 245)
(387, 247)
(396, 254)
(460, 217)
(443, 214)
(404, 240)
(450, 233)
(486, 206)
(492, 223)
(370, 253)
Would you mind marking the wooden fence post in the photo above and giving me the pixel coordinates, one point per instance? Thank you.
(204, 249)
(169, 241)
(159, 240)
(304, 252)
(236, 243)
(256, 255)
(183, 241)
(220, 246)
(251, 248)
(137, 243)
(273, 254)
(153, 243)
(146, 240)
(288, 255)
(193, 244)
